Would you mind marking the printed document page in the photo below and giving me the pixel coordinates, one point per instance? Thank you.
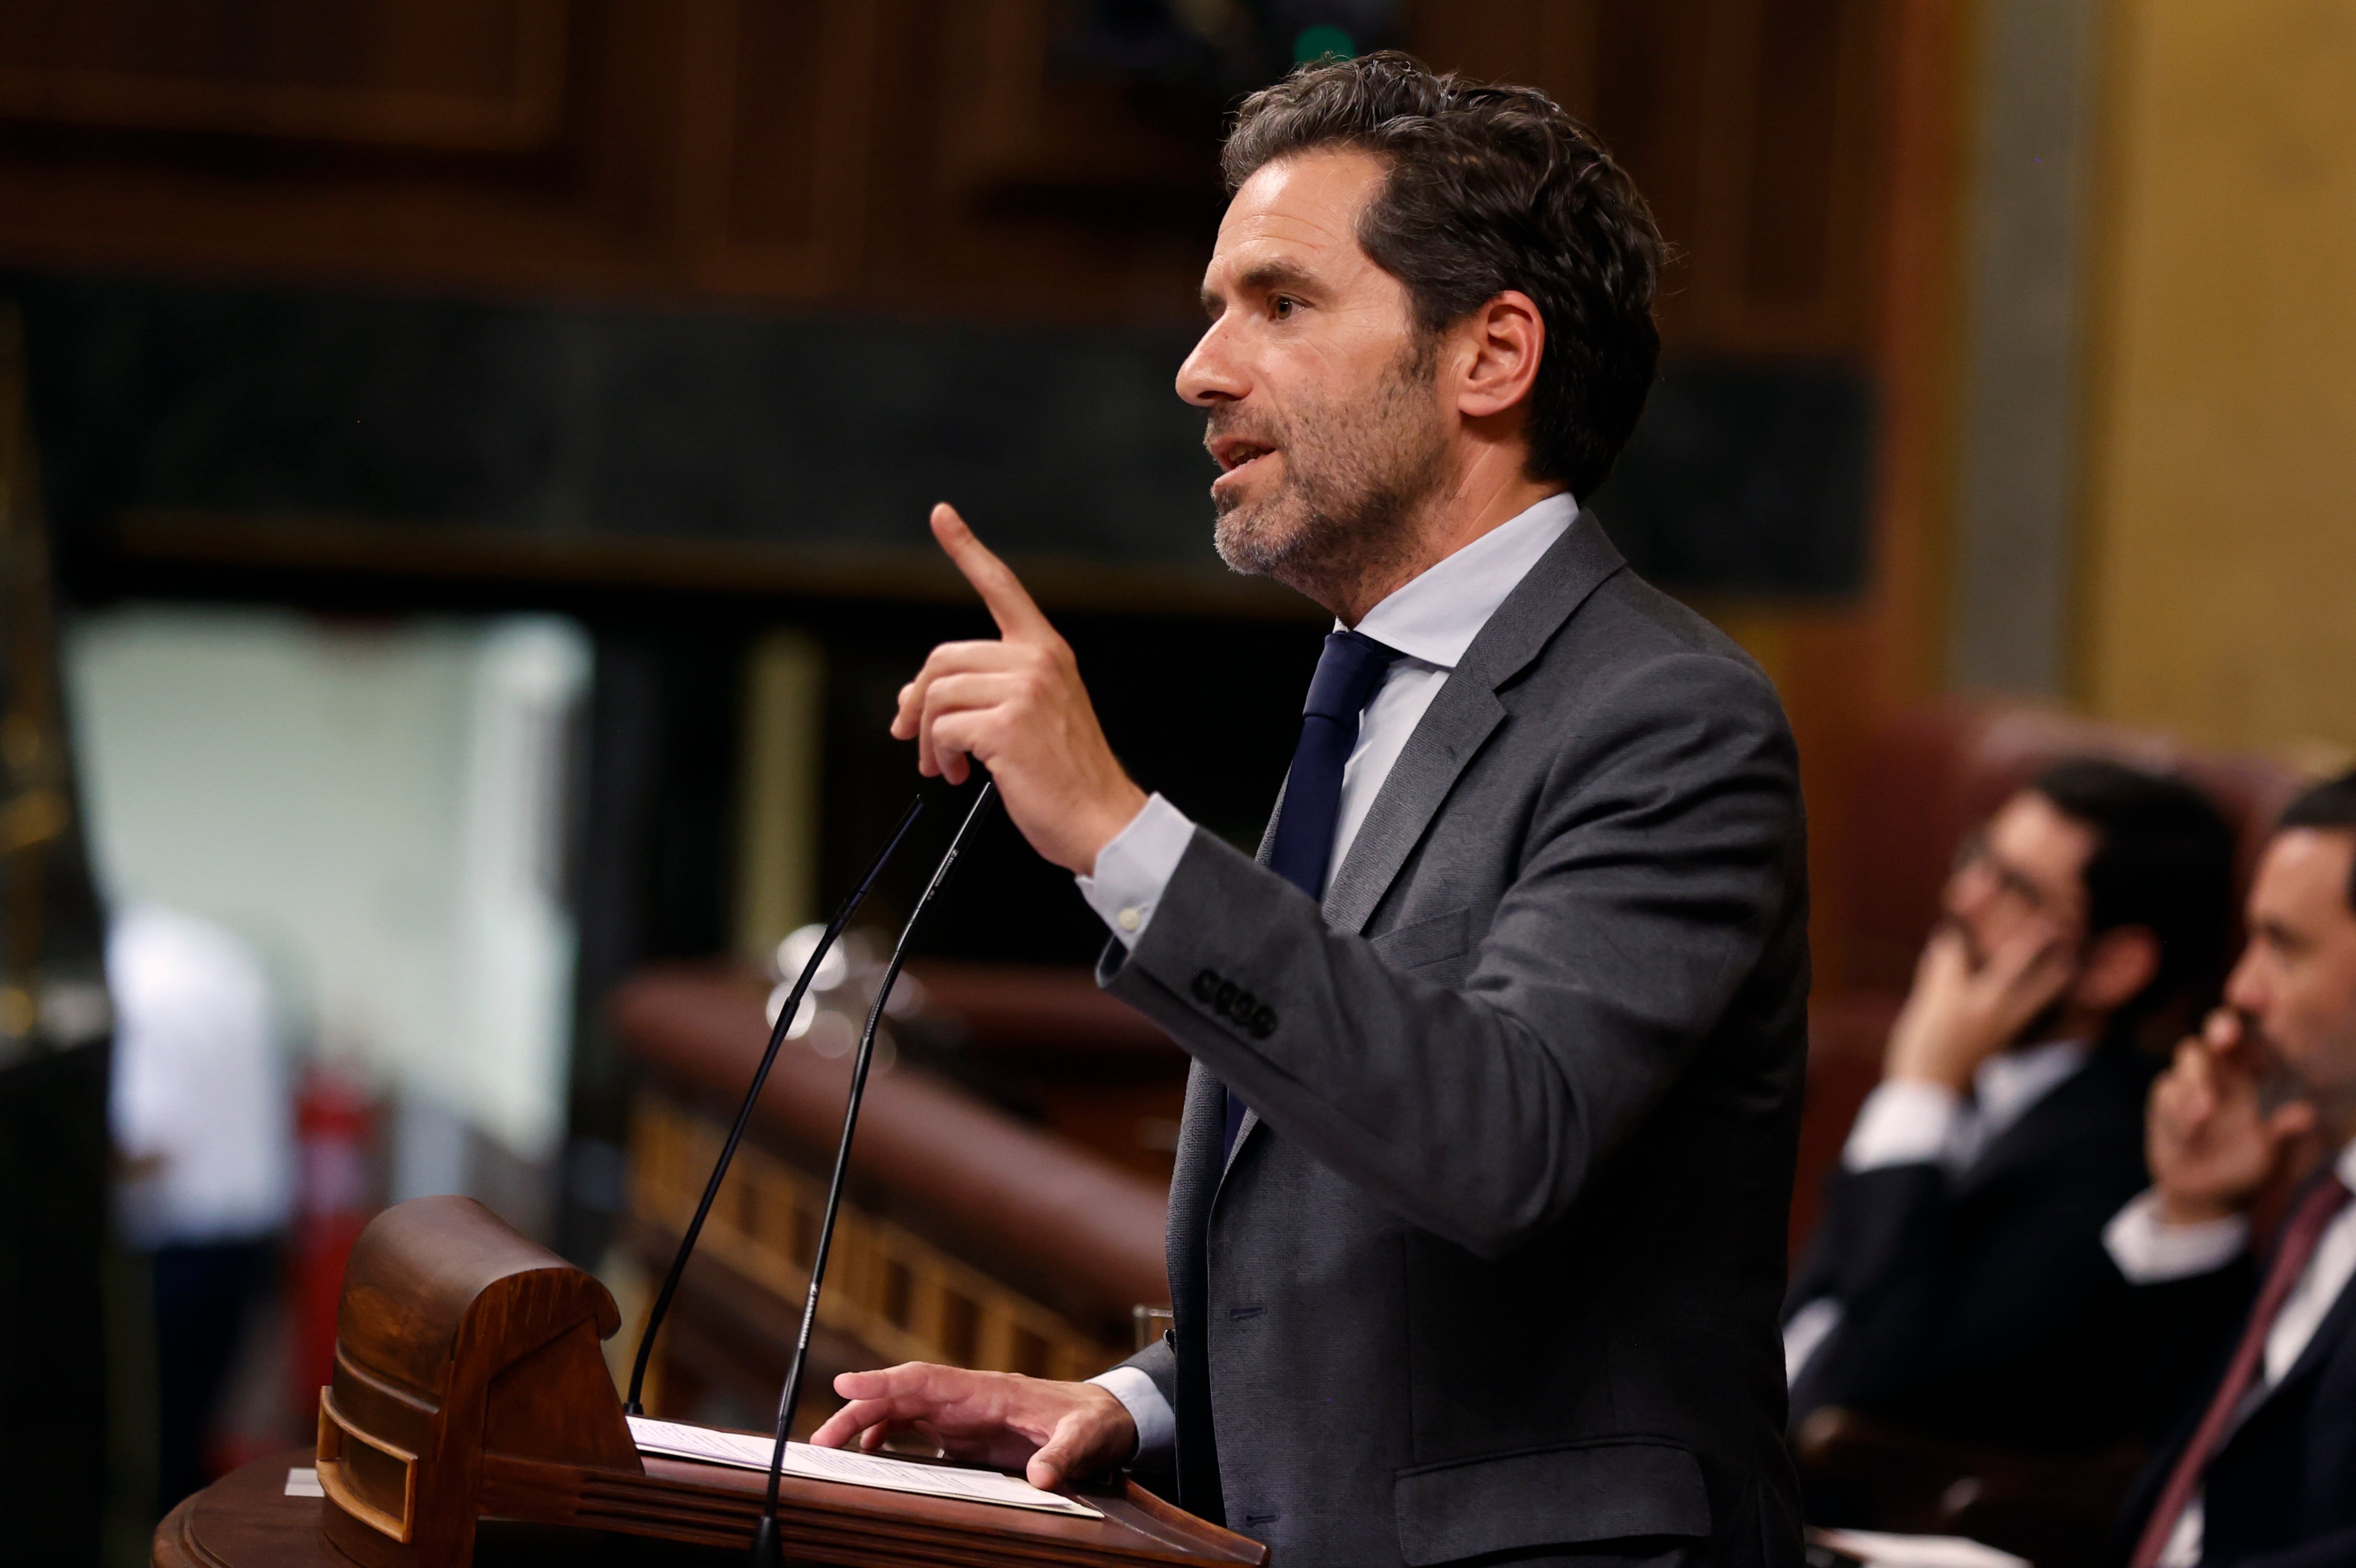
(745, 1452)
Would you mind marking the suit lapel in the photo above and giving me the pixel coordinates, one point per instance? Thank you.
(1268, 833)
(2058, 1123)
(1452, 729)
(1244, 1130)
(1195, 1179)
(1462, 716)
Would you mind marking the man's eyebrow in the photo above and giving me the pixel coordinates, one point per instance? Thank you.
(1265, 277)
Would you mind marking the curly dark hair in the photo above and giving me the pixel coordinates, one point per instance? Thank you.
(2163, 860)
(2330, 806)
(1490, 189)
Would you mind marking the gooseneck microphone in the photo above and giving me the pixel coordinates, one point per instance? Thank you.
(767, 1552)
(777, 1031)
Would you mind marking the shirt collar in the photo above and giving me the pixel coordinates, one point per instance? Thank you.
(1434, 618)
(2009, 1082)
(2346, 1166)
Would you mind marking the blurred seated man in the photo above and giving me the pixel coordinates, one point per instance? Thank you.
(2260, 1467)
(1958, 1283)
(203, 1123)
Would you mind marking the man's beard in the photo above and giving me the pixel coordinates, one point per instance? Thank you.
(1356, 479)
(2281, 1079)
(2045, 1026)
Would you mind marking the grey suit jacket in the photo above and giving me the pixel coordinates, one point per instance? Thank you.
(1495, 1263)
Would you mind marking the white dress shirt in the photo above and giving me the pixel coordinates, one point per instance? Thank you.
(199, 1102)
(2148, 1250)
(1905, 1121)
(1430, 620)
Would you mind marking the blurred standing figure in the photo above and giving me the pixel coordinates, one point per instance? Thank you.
(2260, 1467)
(201, 1118)
(1958, 1283)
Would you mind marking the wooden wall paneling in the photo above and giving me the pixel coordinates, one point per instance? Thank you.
(1820, 67)
(716, 146)
(732, 146)
(1725, 72)
(774, 142)
(1849, 671)
(706, 124)
(631, 77)
(1025, 120)
(1800, 157)
(392, 186)
(1676, 90)
(899, 1296)
(1749, 125)
(998, 55)
(1780, 242)
(1547, 44)
(1915, 180)
(844, 150)
(1648, 106)
(1006, 180)
(1802, 68)
(451, 74)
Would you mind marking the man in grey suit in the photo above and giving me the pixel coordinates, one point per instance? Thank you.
(1477, 1232)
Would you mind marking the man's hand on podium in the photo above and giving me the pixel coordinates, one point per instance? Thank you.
(1017, 706)
(1054, 1430)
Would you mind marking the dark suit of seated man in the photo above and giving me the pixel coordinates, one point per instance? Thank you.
(2259, 1469)
(1958, 1284)
(1476, 1236)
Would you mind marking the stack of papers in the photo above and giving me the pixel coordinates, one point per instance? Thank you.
(742, 1451)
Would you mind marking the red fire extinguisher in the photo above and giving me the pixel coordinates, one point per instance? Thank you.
(334, 1122)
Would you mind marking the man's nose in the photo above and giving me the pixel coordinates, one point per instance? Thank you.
(1211, 374)
(1969, 890)
(2246, 991)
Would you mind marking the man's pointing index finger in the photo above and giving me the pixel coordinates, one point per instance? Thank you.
(1010, 605)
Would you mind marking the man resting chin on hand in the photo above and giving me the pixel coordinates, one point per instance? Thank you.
(2255, 1470)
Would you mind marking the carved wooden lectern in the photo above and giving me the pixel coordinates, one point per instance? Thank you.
(468, 1384)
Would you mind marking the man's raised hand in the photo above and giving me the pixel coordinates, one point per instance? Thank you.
(1957, 1015)
(2210, 1138)
(1052, 1431)
(1018, 707)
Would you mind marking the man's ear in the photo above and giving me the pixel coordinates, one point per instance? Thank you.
(2119, 965)
(1499, 346)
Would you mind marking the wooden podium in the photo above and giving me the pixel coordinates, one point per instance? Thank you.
(469, 1385)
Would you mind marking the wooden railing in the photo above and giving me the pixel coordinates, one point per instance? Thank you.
(898, 1294)
(971, 1235)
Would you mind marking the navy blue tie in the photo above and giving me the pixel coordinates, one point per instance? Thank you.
(1348, 672)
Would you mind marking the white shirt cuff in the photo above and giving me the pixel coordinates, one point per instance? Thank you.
(1903, 1122)
(1131, 872)
(2150, 1251)
(1806, 1333)
(1157, 1423)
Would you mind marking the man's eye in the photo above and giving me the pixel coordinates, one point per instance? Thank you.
(1281, 306)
